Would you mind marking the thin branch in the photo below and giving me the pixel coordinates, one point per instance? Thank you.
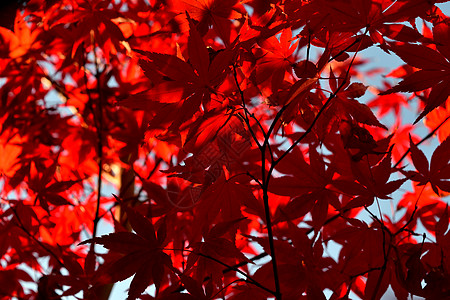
(383, 227)
(250, 279)
(243, 263)
(308, 49)
(99, 125)
(255, 179)
(155, 167)
(412, 215)
(274, 122)
(246, 119)
(226, 286)
(348, 47)
(264, 184)
(265, 187)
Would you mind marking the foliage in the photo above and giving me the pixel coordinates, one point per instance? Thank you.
(212, 134)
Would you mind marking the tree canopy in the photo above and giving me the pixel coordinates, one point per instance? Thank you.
(236, 148)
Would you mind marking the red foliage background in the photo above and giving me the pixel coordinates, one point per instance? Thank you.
(227, 145)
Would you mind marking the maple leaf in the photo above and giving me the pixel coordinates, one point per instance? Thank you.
(301, 177)
(186, 86)
(307, 185)
(21, 42)
(434, 73)
(361, 244)
(437, 173)
(386, 102)
(372, 182)
(93, 18)
(376, 13)
(305, 273)
(357, 138)
(225, 197)
(143, 255)
(276, 58)
(214, 247)
(345, 112)
(11, 278)
(210, 12)
(47, 192)
(215, 127)
(358, 111)
(436, 256)
(402, 33)
(441, 227)
(9, 153)
(194, 287)
(427, 204)
(439, 118)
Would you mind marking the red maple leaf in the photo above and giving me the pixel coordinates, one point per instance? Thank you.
(215, 248)
(434, 73)
(371, 182)
(143, 255)
(181, 86)
(209, 12)
(437, 173)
